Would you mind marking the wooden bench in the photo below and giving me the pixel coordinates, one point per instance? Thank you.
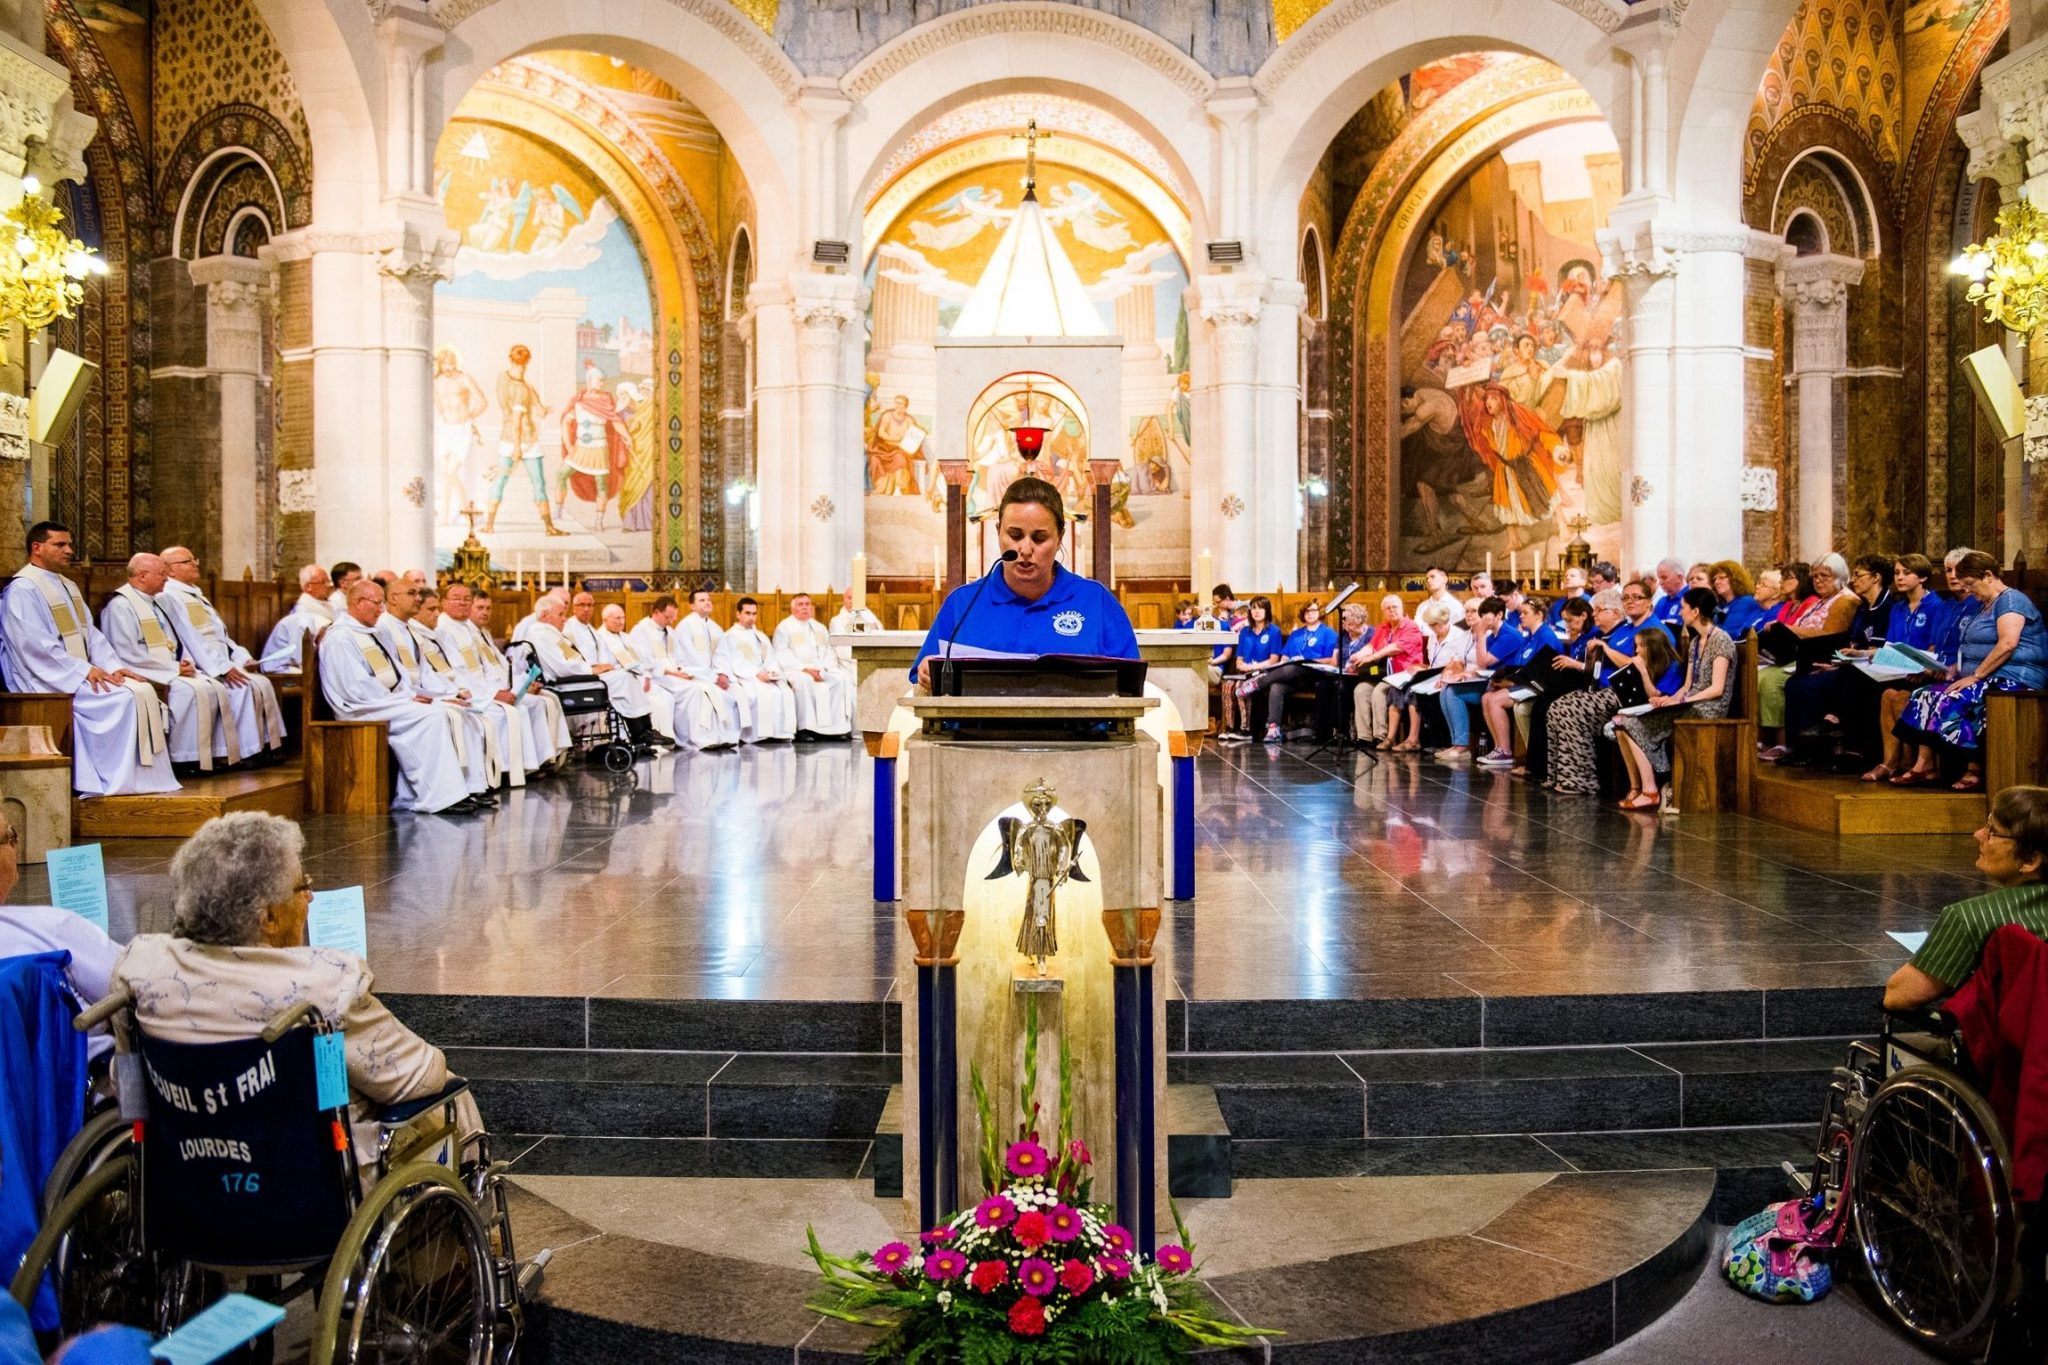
(348, 762)
(1713, 762)
(2015, 740)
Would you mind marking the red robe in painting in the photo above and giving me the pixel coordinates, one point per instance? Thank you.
(618, 440)
(1516, 446)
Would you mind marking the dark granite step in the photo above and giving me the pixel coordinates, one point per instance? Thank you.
(1409, 1094)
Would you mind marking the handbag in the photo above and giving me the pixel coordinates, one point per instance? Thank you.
(1780, 1255)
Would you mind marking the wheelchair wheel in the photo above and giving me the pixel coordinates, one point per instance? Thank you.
(412, 1281)
(618, 758)
(1933, 1205)
(91, 1243)
(103, 1135)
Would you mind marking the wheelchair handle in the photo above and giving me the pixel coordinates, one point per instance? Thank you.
(284, 1023)
(100, 1011)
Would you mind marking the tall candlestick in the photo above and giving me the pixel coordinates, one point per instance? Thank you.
(938, 566)
(860, 581)
(1205, 577)
(1489, 563)
(1515, 565)
(519, 571)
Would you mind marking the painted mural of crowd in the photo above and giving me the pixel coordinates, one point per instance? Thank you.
(1517, 390)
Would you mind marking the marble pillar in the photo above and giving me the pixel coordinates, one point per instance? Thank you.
(1231, 305)
(237, 296)
(1816, 293)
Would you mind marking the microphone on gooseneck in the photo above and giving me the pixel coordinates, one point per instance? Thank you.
(1006, 557)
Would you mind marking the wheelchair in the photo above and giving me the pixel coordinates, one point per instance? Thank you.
(1913, 1165)
(594, 727)
(233, 1161)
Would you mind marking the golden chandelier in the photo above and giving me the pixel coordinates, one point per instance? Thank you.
(2008, 272)
(42, 270)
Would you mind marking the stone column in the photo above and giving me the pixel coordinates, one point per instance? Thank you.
(778, 474)
(1648, 276)
(407, 273)
(1231, 305)
(1816, 290)
(1276, 496)
(40, 136)
(827, 507)
(237, 295)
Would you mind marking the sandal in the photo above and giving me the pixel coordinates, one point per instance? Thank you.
(1878, 774)
(1913, 777)
(1643, 801)
(1968, 782)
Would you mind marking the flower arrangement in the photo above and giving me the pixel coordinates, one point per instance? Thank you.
(1032, 1273)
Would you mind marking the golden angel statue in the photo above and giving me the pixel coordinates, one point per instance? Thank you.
(1047, 852)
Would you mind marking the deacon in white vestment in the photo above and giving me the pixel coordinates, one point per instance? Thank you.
(213, 652)
(707, 713)
(525, 625)
(504, 729)
(361, 681)
(615, 648)
(803, 651)
(284, 650)
(49, 644)
(137, 623)
(474, 742)
(852, 620)
(559, 657)
(695, 647)
(581, 627)
(749, 657)
(488, 673)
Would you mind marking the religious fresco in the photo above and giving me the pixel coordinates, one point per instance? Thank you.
(1509, 416)
(940, 235)
(545, 395)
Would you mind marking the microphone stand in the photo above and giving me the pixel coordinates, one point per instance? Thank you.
(943, 675)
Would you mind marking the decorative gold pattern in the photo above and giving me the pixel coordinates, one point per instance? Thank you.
(1839, 52)
(214, 52)
(761, 12)
(1290, 15)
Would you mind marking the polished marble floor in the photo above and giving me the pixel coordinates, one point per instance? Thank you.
(745, 876)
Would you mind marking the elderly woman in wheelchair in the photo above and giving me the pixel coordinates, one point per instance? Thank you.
(1916, 1146)
(277, 1124)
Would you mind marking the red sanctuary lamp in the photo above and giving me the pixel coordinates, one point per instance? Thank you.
(1030, 440)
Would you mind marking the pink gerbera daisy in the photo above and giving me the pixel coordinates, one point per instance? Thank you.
(1174, 1260)
(1118, 1238)
(892, 1257)
(1037, 1277)
(1027, 1158)
(1064, 1222)
(1116, 1267)
(945, 1265)
(994, 1212)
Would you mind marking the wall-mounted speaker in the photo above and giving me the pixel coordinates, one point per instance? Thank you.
(52, 408)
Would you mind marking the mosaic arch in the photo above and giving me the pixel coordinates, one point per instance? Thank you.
(564, 176)
(930, 228)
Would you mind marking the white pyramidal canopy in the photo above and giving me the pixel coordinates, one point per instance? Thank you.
(1030, 288)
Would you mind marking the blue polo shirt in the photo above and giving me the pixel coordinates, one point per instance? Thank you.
(1962, 610)
(1741, 614)
(1664, 607)
(1505, 643)
(1530, 646)
(1921, 627)
(1622, 639)
(1556, 612)
(1075, 616)
(1257, 646)
(1304, 642)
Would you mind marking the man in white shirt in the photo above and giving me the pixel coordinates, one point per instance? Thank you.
(526, 622)
(614, 647)
(487, 673)
(707, 714)
(207, 644)
(206, 721)
(853, 620)
(361, 682)
(560, 659)
(581, 626)
(312, 613)
(504, 728)
(803, 653)
(482, 756)
(695, 647)
(749, 657)
(1439, 585)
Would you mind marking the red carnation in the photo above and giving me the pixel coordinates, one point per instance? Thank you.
(1027, 1317)
(1075, 1278)
(989, 1275)
(1032, 1230)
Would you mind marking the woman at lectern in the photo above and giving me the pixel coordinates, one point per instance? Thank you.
(1029, 604)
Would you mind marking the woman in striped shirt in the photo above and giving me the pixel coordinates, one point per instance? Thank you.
(2012, 850)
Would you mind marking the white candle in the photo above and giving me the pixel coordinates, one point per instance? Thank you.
(519, 571)
(1515, 565)
(860, 581)
(938, 566)
(1205, 577)
(1489, 563)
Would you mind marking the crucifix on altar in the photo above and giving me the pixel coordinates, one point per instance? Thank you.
(472, 563)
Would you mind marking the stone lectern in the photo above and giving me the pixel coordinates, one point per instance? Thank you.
(968, 988)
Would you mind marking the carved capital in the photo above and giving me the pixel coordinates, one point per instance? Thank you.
(935, 934)
(1993, 156)
(1131, 935)
(40, 133)
(237, 295)
(1636, 254)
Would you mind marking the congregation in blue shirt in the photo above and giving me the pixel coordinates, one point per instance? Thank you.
(1664, 609)
(1511, 649)
(1920, 627)
(1257, 646)
(1556, 612)
(1740, 615)
(1310, 642)
(1075, 616)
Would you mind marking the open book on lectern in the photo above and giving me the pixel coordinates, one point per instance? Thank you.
(976, 672)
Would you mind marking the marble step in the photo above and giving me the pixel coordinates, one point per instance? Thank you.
(1410, 1094)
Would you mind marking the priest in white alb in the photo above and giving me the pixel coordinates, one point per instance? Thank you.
(803, 651)
(561, 659)
(695, 646)
(707, 711)
(615, 648)
(137, 623)
(487, 673)
(284, 651)
(48, 643)
(362, 682)
(214, 653)
(852, 620)
(476, 739)
(505, 730)
(749, 656)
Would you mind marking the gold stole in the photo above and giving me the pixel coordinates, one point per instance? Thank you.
(374, 657)
(628, 656)
(211, 705)
(67, 608)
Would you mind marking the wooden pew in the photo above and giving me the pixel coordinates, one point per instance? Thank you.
(1713, 762)
(348, 762)
(2015, 740)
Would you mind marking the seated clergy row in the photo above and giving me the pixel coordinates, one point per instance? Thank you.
(158, 683)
